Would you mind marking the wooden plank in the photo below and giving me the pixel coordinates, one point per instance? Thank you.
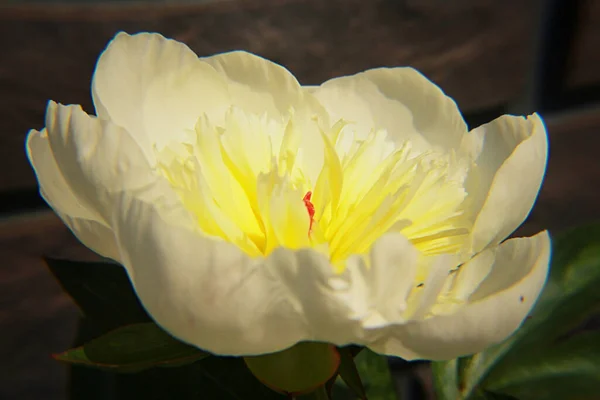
(36, 317)
(476, 50)
(584, 66)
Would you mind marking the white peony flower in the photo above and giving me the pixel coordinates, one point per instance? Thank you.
(252, 213)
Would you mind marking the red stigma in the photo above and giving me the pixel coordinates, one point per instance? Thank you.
(310, 208)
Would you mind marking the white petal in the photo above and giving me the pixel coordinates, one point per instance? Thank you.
(506, 180)
(259, 86)
(495, 308)
(425, 298)
(256, 84)
(96, 158)
(155, 88)
(94, 235)
(391, 274)
(203, 290)
(400, 100)
(87, 225)
(371, 291)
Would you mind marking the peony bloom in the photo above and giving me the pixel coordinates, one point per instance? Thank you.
(251, 212)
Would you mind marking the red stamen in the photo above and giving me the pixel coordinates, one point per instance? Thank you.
(310, 208)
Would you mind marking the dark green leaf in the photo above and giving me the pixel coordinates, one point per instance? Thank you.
(446, 379)
(354, 349)
(349, 373)
(546, 349)
(569, 369)
(376, 376)
(214, 378)
(133, 348)
(102, 291)
(330, 385)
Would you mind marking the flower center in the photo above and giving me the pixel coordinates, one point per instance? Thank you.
(262, 183)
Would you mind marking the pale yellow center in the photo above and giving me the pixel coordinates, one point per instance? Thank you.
(246, 181)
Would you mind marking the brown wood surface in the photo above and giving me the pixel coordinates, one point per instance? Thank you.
(476, 50)
(37, 319)
(584, 67)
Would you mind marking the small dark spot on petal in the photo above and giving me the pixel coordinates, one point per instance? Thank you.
(420, 285)
(521, 299)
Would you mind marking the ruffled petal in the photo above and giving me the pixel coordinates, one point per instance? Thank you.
(496, 304)
(342, 308)
(96, 158)
(86, 224)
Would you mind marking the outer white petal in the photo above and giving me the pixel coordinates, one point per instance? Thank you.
(400, 100)
(256, 84)
(208, 293)
(86, 224)
(507, 177)
(155, 88)
(202, 290)
(371, 292)
(390, 276)
(496, 305)
(96, 158)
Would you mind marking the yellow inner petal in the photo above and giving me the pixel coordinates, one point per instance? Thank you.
(245, 181)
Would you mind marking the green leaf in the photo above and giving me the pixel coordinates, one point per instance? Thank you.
(375, 373)
(102, 291)
(545, 358)
(133, 348)
(570, 369)
(446, 379)
(299, 369)
(349, 373)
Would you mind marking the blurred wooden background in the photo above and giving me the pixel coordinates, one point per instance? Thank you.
(489, 55)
